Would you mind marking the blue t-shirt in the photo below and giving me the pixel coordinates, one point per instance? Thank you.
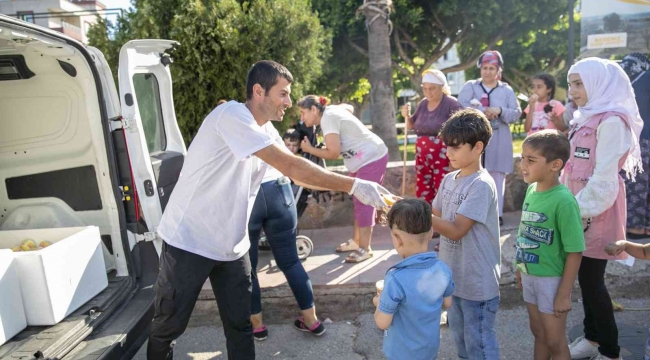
(413, 292)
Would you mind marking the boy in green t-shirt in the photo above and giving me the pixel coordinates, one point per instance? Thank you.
(550, 242)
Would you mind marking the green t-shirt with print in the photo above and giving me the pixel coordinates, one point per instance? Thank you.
(550, 228)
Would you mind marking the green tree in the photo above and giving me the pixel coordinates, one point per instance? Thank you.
(345, 73)
(425, 30)
(219, 41)
(612, 22)
(536, 51)
(382, 108)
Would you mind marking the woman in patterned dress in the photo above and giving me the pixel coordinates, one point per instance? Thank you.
(431, 161)
(499, 103)
(637, 68)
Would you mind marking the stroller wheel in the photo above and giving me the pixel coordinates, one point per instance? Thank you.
(305, 246)
(263, 244)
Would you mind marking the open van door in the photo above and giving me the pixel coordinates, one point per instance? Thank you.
(154, 143)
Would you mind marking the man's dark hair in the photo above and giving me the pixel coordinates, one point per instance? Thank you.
(293, 136)
(551, 144)
(412, 216)
(468, 126)
(266, 73)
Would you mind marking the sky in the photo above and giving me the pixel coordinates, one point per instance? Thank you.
(604, 7)
(110, 4)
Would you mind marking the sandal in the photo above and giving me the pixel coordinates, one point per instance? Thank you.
(359, 255)
(348, 246)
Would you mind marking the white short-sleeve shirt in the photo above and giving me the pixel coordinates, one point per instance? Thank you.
(359, 146)
(208, 211)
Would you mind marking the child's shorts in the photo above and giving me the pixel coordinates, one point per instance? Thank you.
(541, 291)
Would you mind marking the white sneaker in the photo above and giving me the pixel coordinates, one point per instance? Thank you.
(603, 357)
(581, 348)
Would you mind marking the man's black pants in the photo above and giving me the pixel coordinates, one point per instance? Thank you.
(181, 276)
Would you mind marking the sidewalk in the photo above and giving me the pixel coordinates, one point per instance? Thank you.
(327, 267)
(343, 291)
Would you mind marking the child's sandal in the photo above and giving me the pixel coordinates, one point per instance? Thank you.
(358, 256)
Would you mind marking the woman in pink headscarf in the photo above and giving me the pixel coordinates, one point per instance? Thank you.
(604, 141)
(499, 103)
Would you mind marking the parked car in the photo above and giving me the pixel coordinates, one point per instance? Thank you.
(74, 153)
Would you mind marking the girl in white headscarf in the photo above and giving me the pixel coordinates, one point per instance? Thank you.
(604, 141)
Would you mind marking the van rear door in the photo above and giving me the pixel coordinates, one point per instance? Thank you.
(156, 148)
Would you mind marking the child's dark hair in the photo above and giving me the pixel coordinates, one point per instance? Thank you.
(468, 126)
(412, 216)
(549, 81)
(293, 136)
(552, 144)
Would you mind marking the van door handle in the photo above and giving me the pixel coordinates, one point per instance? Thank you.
(148, 188)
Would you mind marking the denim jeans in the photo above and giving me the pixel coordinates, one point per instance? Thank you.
(472, 327)
(275, 212)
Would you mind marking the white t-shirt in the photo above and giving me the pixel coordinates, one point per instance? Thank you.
(208, 211)
(272, 173)
(359, 146)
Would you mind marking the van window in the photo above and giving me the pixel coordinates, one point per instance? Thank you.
(148, 98)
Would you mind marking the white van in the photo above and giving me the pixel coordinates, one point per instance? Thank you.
(74, 153)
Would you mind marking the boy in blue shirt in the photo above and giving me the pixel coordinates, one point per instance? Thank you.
(415, 289)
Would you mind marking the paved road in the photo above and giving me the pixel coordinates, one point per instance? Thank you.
(359, 339)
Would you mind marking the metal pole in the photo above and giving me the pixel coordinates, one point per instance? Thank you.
(571, 34)
(405, 153)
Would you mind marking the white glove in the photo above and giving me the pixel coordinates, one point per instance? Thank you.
(475, 102)
(369, 193)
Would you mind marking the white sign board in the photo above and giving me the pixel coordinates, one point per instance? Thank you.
(614, 27)
(606, 41)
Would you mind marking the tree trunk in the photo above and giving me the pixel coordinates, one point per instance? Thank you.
(382, 96)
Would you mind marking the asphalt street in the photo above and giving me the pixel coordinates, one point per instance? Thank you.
(360, 339)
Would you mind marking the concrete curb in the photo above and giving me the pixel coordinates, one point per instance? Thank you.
(340, 302)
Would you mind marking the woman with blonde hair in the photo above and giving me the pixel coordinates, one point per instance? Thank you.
(438, 105)
(364, 154)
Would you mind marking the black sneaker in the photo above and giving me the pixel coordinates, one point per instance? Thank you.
(317, 329)
(261, 334)
(500, 221)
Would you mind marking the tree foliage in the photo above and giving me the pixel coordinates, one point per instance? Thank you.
(536, 51)
(425, 30)
(612, 22)
(219, 41)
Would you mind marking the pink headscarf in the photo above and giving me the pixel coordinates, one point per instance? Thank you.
(491, 57)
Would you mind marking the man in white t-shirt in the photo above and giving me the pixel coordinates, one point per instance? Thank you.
(204, 226)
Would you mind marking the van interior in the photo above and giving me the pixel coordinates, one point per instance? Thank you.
(62, 165)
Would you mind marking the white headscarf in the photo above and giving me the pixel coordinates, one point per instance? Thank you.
(435, 76)
(608, 89)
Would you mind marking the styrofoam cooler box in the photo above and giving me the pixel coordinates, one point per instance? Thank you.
(57, 280)
(12, 314)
